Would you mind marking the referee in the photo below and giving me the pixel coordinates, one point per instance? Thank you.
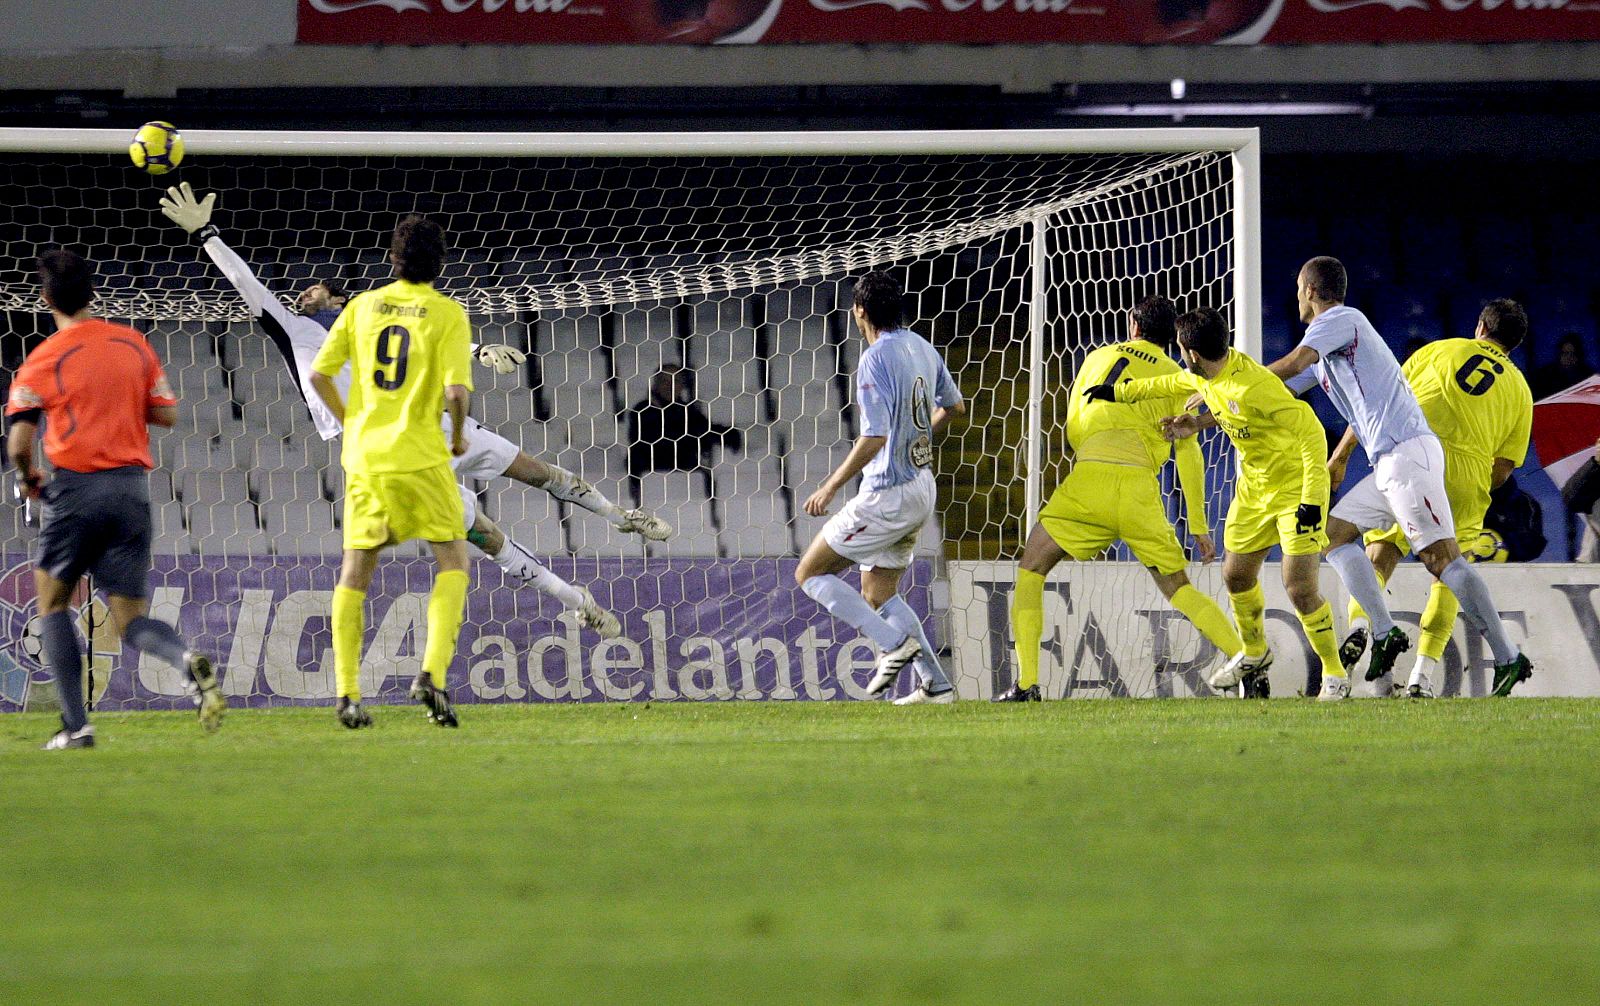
(98, 385)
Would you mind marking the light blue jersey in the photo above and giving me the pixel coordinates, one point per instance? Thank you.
(899, 381)
(1363, 379)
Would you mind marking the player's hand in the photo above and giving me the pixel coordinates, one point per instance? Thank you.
(1206, 547)
(1336, 470)
(1175, 428)
(504, 359)
(1194, 402)
(182, 208)
(1307, 518)
(1101, 393)
(458, 446)
(817, 502)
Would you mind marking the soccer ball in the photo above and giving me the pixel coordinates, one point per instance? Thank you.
(1490, 547)
(156, 148)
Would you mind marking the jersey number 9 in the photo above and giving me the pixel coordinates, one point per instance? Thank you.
(392, 356)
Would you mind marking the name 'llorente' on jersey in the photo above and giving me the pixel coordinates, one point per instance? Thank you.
(900, 380)
(405, 343)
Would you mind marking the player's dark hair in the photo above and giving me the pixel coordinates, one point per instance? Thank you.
(334, 287)
(1505, 322)
(67, 279)
(417, 250)
(1155, 316)
(1205, 331)
(1327, 279)
(882, 298)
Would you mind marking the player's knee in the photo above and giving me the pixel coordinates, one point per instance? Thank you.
(1305, 596)
(1170, 583)
(1237, 581)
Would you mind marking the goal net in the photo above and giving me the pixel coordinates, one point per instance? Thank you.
(637, 271)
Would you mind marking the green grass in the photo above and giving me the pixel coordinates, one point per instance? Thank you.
(1117, 851)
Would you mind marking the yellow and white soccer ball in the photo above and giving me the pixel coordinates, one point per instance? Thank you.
(156, 148)
(1490, 547)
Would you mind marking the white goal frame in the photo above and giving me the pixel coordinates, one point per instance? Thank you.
(1243, 146)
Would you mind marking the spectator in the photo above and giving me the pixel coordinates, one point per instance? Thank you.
(1571, 366)
(670, 430)
(1582, 497)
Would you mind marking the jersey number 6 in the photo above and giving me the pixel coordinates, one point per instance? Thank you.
(1477, 375)
(392, 356)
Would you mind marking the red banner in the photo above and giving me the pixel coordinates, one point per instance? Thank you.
(1115, 22)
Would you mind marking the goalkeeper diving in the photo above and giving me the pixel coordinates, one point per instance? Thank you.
(299, 337)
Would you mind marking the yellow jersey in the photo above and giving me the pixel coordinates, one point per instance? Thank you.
(1282, 449)
(1130, 433)
(1474, 398)
(406, 343)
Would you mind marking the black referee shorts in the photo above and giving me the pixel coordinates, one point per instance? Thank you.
(98, 522)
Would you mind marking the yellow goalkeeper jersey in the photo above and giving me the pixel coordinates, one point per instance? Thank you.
(406, 343)
(1283, 453)
(1475, 399)
(1130, 433)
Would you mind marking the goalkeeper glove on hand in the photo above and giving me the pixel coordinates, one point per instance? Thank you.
(193, 215)
(1101, 393)
(1307, 518)
(504, 359)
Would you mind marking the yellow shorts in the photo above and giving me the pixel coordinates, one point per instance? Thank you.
(388, 508)
(1099, 503)
(1466, 486)
(1255, 524)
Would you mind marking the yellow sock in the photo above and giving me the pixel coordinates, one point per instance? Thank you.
(349, 617)
(446, 606)
(1438, 621)
(1250, 615)
(1027, 625)
(1207, 616)
(1319, 629)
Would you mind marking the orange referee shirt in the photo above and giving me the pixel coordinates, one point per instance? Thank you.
(95, 383)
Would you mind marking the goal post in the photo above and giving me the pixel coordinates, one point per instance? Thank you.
(614, 259)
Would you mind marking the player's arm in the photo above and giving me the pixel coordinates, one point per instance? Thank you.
(19, 447)
(1175, 385)
(1300, 421)
(1513, 450)
(330, 359)
(1339, 460)
(161, 405)
(1289, 367)
(947, 400)
(194, 215)
(457, 374)
(1192, 481)
(864, 450)
(945, 413)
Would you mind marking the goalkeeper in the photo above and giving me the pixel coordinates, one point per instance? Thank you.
(1478, 403)
(1282, 494)
(299, 338)
(1112, 493)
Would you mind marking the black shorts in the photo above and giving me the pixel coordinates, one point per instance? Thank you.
(98, 523)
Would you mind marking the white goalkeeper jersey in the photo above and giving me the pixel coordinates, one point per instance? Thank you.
(297, 337)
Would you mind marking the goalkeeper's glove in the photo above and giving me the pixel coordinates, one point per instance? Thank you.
(504, 359)
(1307, 518)
(1101, 393)
(193, 215)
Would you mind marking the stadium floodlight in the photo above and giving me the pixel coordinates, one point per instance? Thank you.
(607, 256)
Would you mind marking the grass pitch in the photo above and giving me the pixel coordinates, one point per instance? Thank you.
(1120, 851)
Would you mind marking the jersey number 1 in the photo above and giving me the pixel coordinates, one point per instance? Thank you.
(392, 357)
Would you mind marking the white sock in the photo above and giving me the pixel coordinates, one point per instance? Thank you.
(1361, 580)
(520, 563)
(1426, 667)
(898, 613)
(849, 606)
(1478, 606)
(566, 486)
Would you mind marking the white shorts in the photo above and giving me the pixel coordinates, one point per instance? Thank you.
(1406, 487)
(488, 453)
(879, 528)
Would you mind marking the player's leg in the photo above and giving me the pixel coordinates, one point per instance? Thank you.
(1207, 616)
(63, 656)
(880, 585)
(349, 622)
(447, 607)
(515, 559)
(1367, 507)
(1438, 624)
(818, 575)
(1384, 552)
(1316, 619)
(1040, 555)
(1445, 562)
(1241, 578)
